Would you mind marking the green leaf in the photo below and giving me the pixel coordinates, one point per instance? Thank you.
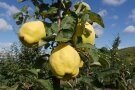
(92, 52)
(85, 17)
(52, 10)
(84, 6)
(106, 74)
(49, 38)
(44, 14)
(43, 6)
(37, 9)
(25, 8)
(17, 14)
(96, 18)
(85, 79)
(18, 17)
(122, 86)
(66, 4)
(48, 29)
(86, 32)
(45, 83)
(41, 43)
(67, 88)
(68, 23)
(83, 56)
(47, 45)
(19, 20)
(51, 13)
(55, 28)
(14, 87)
(63, 36)
(31, 71)
(67, 29)
(105, 63)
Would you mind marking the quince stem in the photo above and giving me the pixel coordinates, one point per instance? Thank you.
(56, 83)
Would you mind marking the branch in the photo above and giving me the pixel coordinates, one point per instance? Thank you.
(79, 8)
(59, 15)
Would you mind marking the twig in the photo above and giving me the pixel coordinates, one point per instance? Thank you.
(70, 84)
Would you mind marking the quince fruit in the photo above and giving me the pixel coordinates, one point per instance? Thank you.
(85, 38)
(65, 62)
(31, 33)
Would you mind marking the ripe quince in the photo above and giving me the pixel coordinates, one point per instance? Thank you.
(85, 39)
(31, 33)
(65, 62)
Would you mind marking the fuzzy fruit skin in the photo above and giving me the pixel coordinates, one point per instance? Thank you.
(85, 39)
(65, 62)
(31, 33)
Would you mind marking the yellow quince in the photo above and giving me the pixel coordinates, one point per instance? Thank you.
(31, 33)
(65, 62)
(85, 39)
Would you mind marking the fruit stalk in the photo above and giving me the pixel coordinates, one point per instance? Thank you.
(56, 83)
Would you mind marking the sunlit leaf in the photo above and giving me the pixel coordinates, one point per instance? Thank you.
(96, 18)
(105, 63)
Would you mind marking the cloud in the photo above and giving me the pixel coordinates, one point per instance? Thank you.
(10, 9)
(130, 29)
(114, 2)
(5, 45)
(132, 15)
(4, 26)
(98, 29)
(102, 13)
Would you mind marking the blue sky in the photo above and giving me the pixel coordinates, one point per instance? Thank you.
(118, 17)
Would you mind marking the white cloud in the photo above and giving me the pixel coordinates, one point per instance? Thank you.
(114, 2)
(102, 13)
(130, 29)
(11, 9)
(5, 45)
(132, 15)
(4, 26)
(98, 29)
